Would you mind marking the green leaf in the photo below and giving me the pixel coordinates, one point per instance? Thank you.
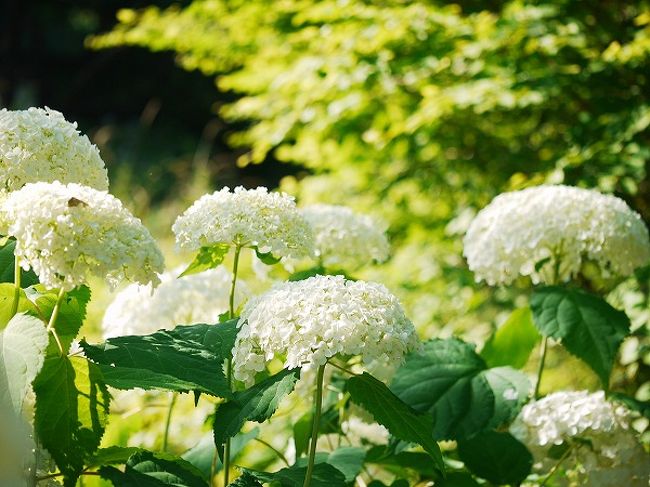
(144, 469)
(323, 475)
(497, 457)
(202, 454)
(22, 351)
(451, 382)
(218, 338)
(207, 258)
(512, 343)
(329, 423)
(7, 266)
(458, 479)
(267, 258)
(587, 325)
(245, 480)
(257, 403)
(162, 360)
(399, 418)
(306, 274)
(414, 460)
(113, 455)
(348, 460)
(6, 303)
(71, 410)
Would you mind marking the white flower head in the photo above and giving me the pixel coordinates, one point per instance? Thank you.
(248, 218)
(68, 232)
(550, 232)
(197, 298)
(345, 239)
(307, 322)
(40, 145)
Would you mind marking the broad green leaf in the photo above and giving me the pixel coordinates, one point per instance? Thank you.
(22, 351)
(266, 257)
(162, 360)
(399, 418)
(449, 380)
(7, 263)
(218, 338)
(306, 274)
(512, 343)
(329, 423)
(144, 469)
(245, 480)
(588, 326)
(414, 460)
(202, 454)
(323, 475)
(348, 460)
(257, 403)
(207, 258)
(6, 303)
(458, 479)
(71, 409)
(497, 457)
(112, 455)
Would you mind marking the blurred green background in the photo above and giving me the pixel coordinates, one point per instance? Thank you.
(417, 112)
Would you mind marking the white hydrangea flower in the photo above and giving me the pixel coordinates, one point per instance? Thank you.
(40, 145)
(68, 232)
(604, 452)
(248, 218)
(197, 298)
(306, 322)
(555, 227)
(345, 239)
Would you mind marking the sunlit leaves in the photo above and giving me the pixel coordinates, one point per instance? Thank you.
(512, 343)
(207, 258)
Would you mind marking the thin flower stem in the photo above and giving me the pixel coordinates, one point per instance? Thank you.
(275, 450)
(541, 366)
(168, 422)
(14, 305)
(55, 314)
(226, 447)
(564, 456)
(342, 369)
(318, 403)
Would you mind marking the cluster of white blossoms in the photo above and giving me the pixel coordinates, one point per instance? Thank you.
(40, 145)
(252, 218)
(345, 239)
(550, 232)
(605, 451)
(197, 298)
(66, 233)
(307, 322)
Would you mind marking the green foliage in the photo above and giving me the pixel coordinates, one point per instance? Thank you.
(202, 454)
(163, 360)
(112, 455)
(587, 325)
(7, 264)
(497, 457)
(219, 339)
(207, 258)
(7, 293)
(257, 403)
(324, 475)
(399, 418)
(513, 342)
(451, 382)
(267, 257)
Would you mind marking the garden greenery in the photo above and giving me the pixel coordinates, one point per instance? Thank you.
(382, 399)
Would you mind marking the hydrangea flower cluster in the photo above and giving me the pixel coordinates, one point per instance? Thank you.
(535, 231)
(68, 232)
(344, 239)
(307, 322)
(197, 298)
(613, 456)
(252, 218)
(40, 145)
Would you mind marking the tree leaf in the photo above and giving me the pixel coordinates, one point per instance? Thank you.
(257, 403)
(348, 460)
(588, 326)
(399, 418)
(22, 351)
(71, 409)
(451, 382)
(7, 264)
(207, 258)
(6, 303)
(497, 457)
(218, 338)
(162, 360)
(144, 469)
(323, 475)
(512, 343)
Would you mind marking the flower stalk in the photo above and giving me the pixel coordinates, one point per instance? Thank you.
(318, 403)
(16, 301)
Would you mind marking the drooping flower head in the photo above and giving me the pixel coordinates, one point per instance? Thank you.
(67, 233)
(345, 239)
(604, 450)
(252, 218)
(40, 145)
(306, 322)
(197, 298)
(551, 232)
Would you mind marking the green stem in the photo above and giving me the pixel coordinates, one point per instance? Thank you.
(168, 421)
(541, 366)
(226, 447)
(318, 403)
(14, 305)
(55, 314)
(275, 450)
